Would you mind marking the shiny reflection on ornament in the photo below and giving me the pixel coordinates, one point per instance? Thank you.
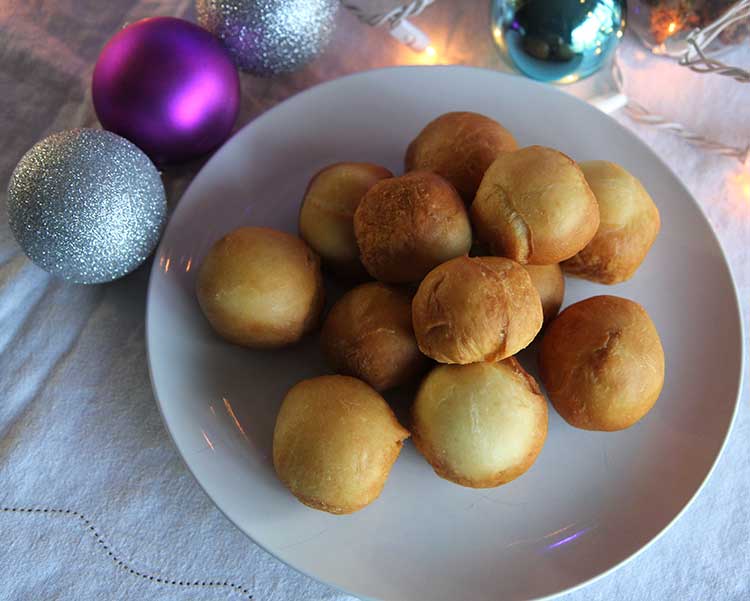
(189, 107)
(587, 32)
(558, 41)
(189, 264)
(166, 265)
(497, 35)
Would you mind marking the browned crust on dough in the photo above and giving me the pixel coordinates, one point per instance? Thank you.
(600, 352)
(459, 146)
(476, 309)
(405, 226)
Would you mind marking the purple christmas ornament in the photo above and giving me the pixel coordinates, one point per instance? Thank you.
(168, 86)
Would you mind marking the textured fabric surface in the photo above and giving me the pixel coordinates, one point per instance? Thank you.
(79, 429)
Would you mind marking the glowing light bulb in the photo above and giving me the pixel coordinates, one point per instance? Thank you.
(671, 27)
(744, 181)
(740, 183)
(428, 56)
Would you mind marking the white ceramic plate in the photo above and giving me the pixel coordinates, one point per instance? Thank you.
(591, 501)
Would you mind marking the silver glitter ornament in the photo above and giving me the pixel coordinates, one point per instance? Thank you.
(267, 37)
(86, 205)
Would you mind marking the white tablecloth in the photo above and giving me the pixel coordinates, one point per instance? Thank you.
(117, 515)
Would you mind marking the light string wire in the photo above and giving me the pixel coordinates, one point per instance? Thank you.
(392, 17)
(698, 40)
(695, 59)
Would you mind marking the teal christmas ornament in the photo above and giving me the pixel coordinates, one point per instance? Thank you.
(558, 41)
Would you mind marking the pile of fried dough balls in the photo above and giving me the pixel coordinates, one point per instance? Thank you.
(467, 251)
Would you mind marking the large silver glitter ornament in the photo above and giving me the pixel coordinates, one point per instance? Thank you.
(266, 37)
(86, 205)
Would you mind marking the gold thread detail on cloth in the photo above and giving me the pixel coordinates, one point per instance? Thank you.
(122, 564)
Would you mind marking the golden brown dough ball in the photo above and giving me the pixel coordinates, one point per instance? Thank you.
(261, 288)
(480, 425)
(326, 219)
(368, 334)
(550, 284)
(534, 206)
(476, 309)
(629, 223)
(407, 225)
(335, 442)
(459, 146)
(602, 363)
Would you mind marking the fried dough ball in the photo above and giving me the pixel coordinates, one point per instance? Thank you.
(476, 309)
(335, 442)
(460, 146)
(629, 224)
(407, 225)
(326, 218)
(368, 334)
(550, 284)
(260, 288)
(602, 363)
(534, 206)
(480, 425)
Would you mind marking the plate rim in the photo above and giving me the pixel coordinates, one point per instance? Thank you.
(297, 97)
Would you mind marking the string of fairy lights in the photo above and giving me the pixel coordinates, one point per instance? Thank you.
(691, 51)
